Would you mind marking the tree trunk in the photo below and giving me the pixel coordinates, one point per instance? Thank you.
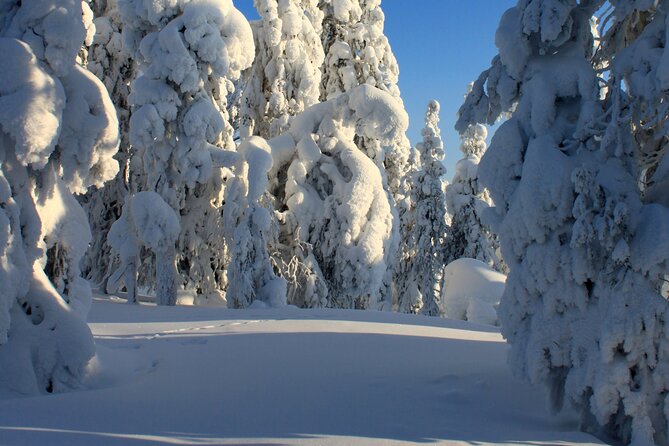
(166, 277)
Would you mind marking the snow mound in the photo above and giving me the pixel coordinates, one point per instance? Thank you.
(472, 291)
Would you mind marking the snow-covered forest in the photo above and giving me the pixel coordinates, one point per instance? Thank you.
(177, 154)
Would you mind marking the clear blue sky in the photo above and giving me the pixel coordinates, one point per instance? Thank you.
(441, 46)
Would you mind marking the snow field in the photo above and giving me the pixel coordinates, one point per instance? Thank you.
(203, 376)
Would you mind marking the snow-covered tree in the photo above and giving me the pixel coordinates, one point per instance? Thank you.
(285, 77)
(146, 220)
(188, 55)
(357, 52)
(111, 63)
(250, 228)
(528, 170)
(582, 307)
(336, 203)
(58, 133)
(419, 278)
(467, 202)
(635, 38)
(284, 80)
(621, 231)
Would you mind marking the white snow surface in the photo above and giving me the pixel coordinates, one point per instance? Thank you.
(204, 376)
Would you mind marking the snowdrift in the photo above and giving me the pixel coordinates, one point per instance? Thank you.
(472, 291)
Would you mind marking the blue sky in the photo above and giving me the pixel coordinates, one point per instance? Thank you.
(441, 46)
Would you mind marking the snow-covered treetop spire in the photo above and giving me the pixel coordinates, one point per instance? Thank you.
(432, 147)
(286, 76)
(357, 50)
(473, 141)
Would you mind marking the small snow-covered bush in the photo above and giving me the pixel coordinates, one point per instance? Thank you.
(472, 291)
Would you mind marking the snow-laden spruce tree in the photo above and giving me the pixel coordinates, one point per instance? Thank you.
(357, 52)
(423, 255)
(467, 201)
(621, 229)
(635, 36)
(58, 133)
(111, 63)
(146, 221)
(284, 80)
(188, 54)
(335, 197)
(582, 307)
(285, 77)
(544, 68)
(251, 227)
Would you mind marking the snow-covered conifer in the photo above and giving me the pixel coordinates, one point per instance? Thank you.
(528, 170)
(467, 201)
(620, 232)
(284, 80)
(336, 203)
(58, 133)
(418, 281)
(111, 63)
(188, 55)
(250, 228)
(285, 77)
(146, 220)
(357, 52)
(582, 307)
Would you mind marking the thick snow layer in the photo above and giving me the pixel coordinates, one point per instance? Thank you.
(258, 155)
(64, 224)
(89, 136)
(49, 344)
(157, 223)
(379, 114)
(30, 99)
(204, 376)
(472, 291)
(54, 30)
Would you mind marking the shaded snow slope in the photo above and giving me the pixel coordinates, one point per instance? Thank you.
(204, 376)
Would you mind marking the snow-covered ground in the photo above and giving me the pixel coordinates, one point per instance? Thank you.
(204, 376)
